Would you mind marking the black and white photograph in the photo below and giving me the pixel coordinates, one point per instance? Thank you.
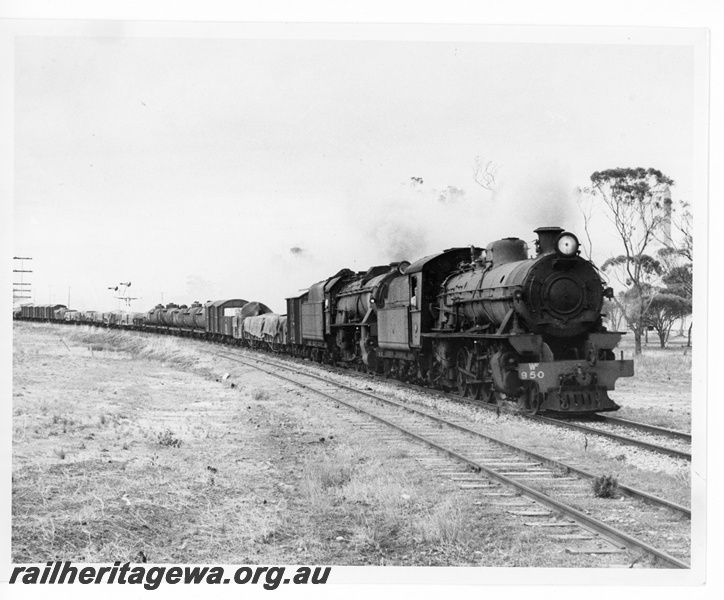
(300, 304)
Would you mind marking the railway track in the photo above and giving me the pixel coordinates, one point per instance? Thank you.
(631, 491)
(602, 428)
(600, 425)
(683, 451)
(683, 436)
(544, 492)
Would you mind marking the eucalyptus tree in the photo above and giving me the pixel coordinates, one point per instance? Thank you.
(633, 203)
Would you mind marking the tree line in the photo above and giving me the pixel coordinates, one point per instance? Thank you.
(655, 271)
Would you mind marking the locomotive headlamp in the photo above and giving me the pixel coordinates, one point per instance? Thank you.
(567, 244)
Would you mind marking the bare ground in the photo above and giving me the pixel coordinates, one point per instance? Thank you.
(152, 454)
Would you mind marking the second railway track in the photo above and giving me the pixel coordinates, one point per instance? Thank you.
(645, 524)
(649, 437)
(602, 428)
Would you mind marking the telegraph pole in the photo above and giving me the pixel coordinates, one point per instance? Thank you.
(21, 292)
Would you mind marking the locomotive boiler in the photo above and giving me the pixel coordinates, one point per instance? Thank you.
(355, 314)
(528, 330)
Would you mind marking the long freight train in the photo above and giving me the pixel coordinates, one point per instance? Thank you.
(491, 324)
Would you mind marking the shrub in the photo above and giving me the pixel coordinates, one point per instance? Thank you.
(166, 438)
(605, 486)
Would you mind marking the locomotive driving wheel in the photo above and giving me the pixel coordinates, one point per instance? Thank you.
(467, 374)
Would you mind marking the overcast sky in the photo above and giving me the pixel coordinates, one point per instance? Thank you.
(204, 167)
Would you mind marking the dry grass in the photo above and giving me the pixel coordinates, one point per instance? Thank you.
(138, 345)
(324, 475)
(664, 365)
(259, 395)
(259, 475)
(668, 366)
(379, 508)
(448, 525)
(100, 472)
(660, 391)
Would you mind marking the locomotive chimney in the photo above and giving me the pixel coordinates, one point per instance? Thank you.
(546, 242)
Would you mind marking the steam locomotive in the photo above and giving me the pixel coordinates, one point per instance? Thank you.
(491, 324)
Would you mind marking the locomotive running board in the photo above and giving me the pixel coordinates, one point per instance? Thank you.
(463, 335)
